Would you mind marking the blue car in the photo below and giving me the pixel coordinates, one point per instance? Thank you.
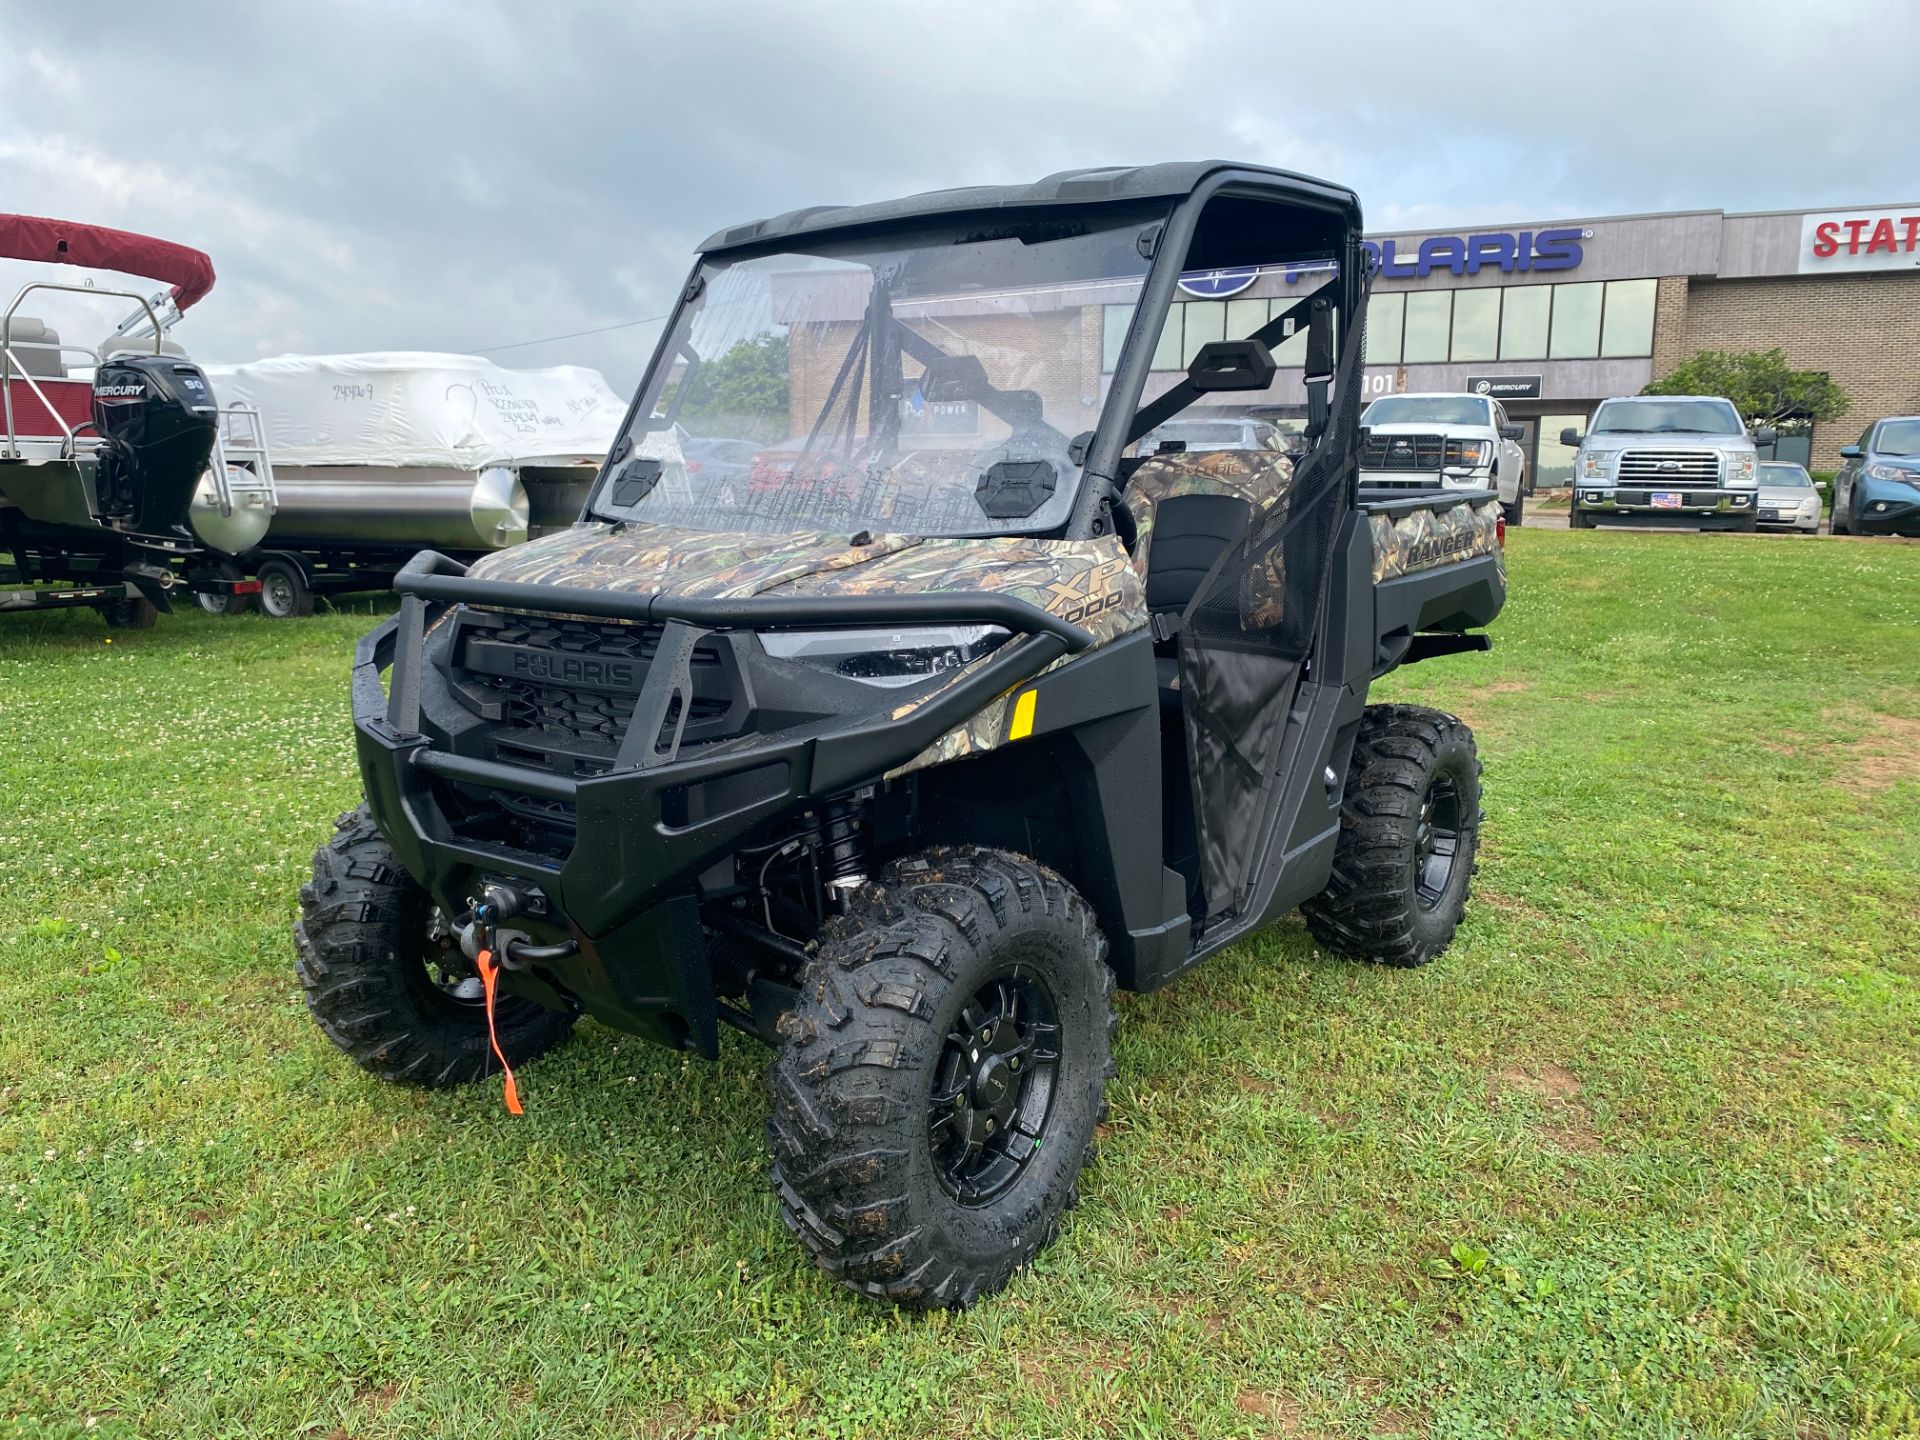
(1877, 490)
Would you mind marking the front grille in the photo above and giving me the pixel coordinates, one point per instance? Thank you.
(575, 728)
(1402, 452)
(1669, 469)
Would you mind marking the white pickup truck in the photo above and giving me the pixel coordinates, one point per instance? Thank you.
(1456, 442)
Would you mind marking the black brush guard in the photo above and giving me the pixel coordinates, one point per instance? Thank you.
(626, 888)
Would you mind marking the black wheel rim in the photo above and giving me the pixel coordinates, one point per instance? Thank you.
(1438, 840)
(993, 1087)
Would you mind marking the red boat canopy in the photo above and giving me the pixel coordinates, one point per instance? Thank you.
(61, 242)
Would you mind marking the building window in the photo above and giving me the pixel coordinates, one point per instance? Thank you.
(1206, 321)
(1429, 316)
(1523, 322)
(1113, 335)
(1246, 316)
(1576, 322)
(1476, 324)
(1385, 315)
(1170, 353)
(1628, 327)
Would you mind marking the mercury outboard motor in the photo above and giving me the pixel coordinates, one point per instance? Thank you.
(157, 416)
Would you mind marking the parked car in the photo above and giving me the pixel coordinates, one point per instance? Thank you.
(1877, 489)
(719, 459)
(1225, 432)
(1667, 460)
(1788, 499)
(1457, 442)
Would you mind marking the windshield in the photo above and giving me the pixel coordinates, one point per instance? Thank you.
(924, 384)
(1666, 417)
(1898, 437)
(1425, 410)
(1784, 476)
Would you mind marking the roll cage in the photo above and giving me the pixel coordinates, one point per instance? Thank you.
(1210, 221)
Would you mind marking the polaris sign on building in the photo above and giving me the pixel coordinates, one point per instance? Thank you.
(1551, 317)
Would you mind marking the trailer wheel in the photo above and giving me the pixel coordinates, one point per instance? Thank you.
(284, 592)
(386, 981)
(939, 1079)
(138, 614)
(227, 604)
(1409, 836)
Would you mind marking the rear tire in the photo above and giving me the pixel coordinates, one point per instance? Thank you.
(1409, 838)
(284, 592)
(940, 1077)
(137, 614)
(399, 999)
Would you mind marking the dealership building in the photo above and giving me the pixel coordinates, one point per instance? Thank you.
(1555, 316)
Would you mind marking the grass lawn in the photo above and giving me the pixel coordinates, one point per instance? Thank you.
(1640, 1156)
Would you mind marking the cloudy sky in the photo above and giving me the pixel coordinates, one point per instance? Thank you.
(468, 175)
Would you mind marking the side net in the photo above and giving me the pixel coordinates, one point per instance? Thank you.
(1245, 634)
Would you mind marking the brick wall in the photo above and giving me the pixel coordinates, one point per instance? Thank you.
(1670, 324)
(1863, 330)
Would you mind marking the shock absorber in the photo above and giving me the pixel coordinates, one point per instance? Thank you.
(843, 847)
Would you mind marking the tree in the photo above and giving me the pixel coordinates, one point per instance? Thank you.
(743, 392)
(1759, 384)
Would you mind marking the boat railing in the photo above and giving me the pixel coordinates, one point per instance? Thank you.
(12, 366)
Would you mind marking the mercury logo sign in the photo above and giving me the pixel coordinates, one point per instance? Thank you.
(120, 392)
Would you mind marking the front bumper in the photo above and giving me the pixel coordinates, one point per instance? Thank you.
(1789, 517)
(644, 832)
(1887, 507)
(1702, 507)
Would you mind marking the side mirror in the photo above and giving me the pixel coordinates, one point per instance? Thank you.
(1765, 435)
(1512, 432)
(1570, 438)
(1851, 452)
(1232, 365)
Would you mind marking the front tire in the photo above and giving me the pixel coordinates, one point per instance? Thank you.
(1409, 837)
(225, 603)
(1516, 513)
(940, 1077)
(1576, 520)
(386, 981)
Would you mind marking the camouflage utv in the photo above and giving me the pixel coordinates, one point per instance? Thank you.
(902, 747)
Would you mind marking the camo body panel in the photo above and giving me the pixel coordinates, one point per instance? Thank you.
(1089, 583)
(1427, 539)
(1262, 478)
(1086, 582)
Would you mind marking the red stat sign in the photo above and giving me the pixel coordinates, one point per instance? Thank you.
(1860, 240)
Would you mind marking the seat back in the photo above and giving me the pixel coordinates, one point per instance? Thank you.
(36, 349)
(1189, 534)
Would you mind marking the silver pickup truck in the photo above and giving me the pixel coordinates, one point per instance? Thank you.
(1666, 460)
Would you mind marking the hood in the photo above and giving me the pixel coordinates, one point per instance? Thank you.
(1089, 582)
(1665, 440)
(1427, 427)
(1787, 494)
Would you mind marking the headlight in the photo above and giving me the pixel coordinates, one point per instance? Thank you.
(886, 657)
(1741, 469)
(1595, 463)
(1468, 454)
(1893, 472)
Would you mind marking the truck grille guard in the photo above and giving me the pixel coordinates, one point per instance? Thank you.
(814, 762)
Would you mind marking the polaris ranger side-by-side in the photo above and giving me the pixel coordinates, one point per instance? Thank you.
(963, 712)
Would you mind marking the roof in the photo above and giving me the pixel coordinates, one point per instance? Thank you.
(63, 242)
(1100, 186)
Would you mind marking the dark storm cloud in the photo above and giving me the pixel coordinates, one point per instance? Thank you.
(453, 176)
